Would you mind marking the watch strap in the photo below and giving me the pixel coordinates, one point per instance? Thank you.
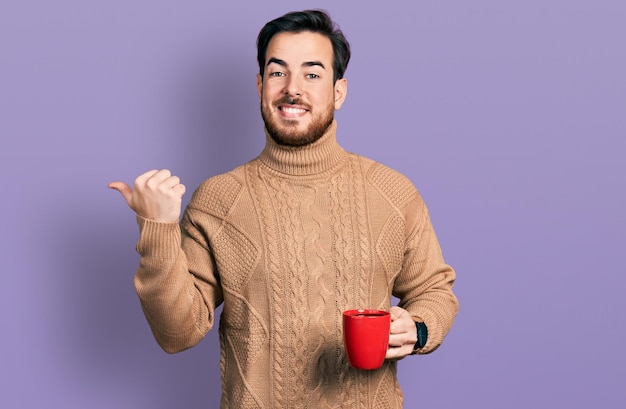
(422, 336)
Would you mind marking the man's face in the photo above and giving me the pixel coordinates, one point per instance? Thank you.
(298, 97)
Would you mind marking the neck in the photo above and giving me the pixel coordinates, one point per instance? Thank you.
(310, 159)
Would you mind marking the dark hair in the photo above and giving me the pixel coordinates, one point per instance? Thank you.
(316, 21)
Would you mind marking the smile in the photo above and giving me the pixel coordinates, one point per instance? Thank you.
(292, 112)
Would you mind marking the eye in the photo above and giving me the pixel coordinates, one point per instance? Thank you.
(312, 76)
(277, 74)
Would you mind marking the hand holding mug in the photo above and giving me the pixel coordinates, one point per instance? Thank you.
(403, 334)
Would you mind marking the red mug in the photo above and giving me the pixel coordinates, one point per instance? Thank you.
(366, 337)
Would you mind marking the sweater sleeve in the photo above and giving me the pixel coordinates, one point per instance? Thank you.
(176, 283)
(424, 286)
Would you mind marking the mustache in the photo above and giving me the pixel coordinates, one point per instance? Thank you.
(289, 100)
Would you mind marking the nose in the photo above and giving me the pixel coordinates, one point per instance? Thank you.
(293, 86)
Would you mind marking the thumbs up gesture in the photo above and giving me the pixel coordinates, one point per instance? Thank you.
(157, 195)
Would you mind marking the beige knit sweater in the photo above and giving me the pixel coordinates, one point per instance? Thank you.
(287, 242)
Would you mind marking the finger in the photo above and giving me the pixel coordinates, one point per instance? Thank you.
(392, 353)
(141, 179)
(402, 323)
(396, 312)
(402, 332)
(169, 183)
(154, 181)
(395, 353)
(396, 329)
(123, 188)
(395, 341)
(179, 190)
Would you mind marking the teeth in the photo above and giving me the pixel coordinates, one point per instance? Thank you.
(293, 110)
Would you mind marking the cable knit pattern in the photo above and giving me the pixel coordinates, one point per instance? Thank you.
(294, 280)
(362, 237)
(344, 287)
(288, 242)
(260, 196)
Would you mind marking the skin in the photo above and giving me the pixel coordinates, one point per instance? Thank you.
(157, 195)
(297, 93)
(298, 99)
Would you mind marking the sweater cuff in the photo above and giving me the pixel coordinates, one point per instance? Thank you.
(158, 239)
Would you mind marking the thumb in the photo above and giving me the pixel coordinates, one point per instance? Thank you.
(396, 312)
(123, 188)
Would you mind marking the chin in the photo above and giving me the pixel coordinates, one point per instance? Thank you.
(295, 132)
(291, 139)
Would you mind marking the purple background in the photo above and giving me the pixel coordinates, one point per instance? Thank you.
(510, 117)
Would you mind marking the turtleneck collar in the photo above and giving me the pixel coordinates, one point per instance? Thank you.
(311, 159)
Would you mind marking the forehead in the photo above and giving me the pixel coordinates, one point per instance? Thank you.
(296, 48)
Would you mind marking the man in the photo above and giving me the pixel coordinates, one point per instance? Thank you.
(290, 240)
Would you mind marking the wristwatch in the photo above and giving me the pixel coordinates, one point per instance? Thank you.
(422, 336)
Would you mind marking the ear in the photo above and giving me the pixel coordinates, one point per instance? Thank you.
(259, 84)
(341, 91)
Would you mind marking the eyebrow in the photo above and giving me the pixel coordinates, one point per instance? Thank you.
(282, 63)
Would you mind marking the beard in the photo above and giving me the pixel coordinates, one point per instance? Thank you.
(286, 133)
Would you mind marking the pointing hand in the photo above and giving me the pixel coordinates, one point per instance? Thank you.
(157, 195)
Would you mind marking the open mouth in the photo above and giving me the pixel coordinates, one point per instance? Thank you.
(290, 111)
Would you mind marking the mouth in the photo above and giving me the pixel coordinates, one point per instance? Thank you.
(291, 108)
(292, 111)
